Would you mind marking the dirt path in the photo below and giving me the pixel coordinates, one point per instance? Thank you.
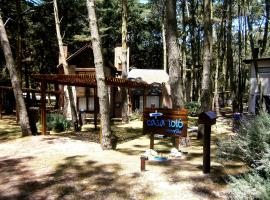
(56, 167)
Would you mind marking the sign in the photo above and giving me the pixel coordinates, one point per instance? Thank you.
(170, 122)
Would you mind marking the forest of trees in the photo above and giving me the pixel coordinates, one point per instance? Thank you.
(202, 44)
(239, 28)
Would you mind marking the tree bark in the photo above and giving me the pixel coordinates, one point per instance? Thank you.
(266, 26)
(163, 29)
(19, 40)
(173, 55)
(194, 61)
(66, 68)
(24, 120)
(107, 137)
(207, 57)
(230, 63)
(124, 92)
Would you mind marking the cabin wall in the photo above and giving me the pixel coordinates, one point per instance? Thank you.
(254, 90)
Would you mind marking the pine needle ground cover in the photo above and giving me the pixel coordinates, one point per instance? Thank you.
(63, 166)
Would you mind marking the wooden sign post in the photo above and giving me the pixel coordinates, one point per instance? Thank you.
(169, 122)
(208, 119)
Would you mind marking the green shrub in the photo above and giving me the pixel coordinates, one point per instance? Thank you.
(250, 145)
(57, 122)
(136, 115)
(193, 108)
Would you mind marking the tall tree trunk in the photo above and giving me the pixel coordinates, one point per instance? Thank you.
(193, 51)
(215, 103)
(207, 56)
(19, 40)
(164, 44)
(66, 68)
(173, 55)
(266, 26)
(124, 92)
(230, 63)
(107, 137)
(223, 52)
(241, 87)
(186, 74)
(23, 116)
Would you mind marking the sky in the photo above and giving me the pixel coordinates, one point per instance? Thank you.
(143, 1)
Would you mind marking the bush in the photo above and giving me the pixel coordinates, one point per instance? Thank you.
(250, 145)
(193, 108)
(57, 122)
(136, 115)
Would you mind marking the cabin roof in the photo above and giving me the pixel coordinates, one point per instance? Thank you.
(85, 48)
(248, 61)
(86, 80)
(149, 75)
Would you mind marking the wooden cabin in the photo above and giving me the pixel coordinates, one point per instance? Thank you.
(158, 96)
(259, 87)
(82, 62)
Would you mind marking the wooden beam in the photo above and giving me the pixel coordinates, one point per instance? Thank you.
(144, 99)
(43, 108)
(95, 108)
(1, 102)
(17, 115)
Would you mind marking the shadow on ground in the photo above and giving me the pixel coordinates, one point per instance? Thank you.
(9, 129)
(73, 179)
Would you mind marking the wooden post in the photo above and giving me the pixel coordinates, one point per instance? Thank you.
(1, 102)
(129, 102)
(144, 99)
(152, 137)
(95, 108)
(17, 115)
(43, 108)
(143, 159)
(177, 142)
(206, 148)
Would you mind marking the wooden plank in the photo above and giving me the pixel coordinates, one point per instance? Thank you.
(1, 102)
(43, 108)
(95, 108)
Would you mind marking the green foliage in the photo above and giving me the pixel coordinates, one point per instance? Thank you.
(250, 145)
(57, 122)
(193, 107)
(136, 115)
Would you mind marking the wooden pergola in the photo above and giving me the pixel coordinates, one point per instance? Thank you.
(9, 88)
(81, 80)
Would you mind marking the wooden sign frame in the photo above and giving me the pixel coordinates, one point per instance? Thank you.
(169, 122)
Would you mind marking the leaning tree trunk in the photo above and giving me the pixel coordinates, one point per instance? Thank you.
(107, 137)
(19, 40)
(124, 92)
(207, 57)
(24, 120)
(66, 68)
(173, 55)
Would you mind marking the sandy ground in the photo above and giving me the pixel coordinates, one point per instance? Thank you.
(56, 167)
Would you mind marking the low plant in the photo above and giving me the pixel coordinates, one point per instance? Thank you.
(251, 145)
(193, 108)
(57, 122)
(136, 115)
